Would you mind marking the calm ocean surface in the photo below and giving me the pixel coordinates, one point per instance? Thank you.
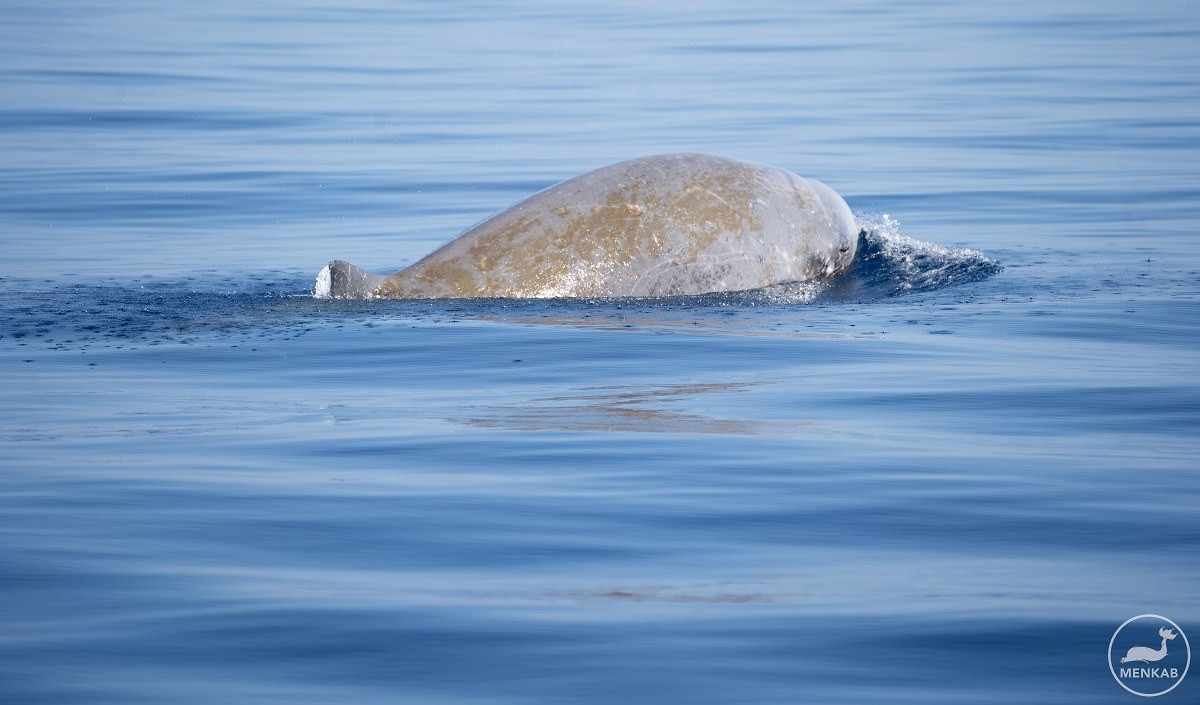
(948, 479)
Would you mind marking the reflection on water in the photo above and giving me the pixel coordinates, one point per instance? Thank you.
(627, 409)
(724, 592)
(692, 318)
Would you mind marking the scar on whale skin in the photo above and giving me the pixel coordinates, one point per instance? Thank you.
(666, 225)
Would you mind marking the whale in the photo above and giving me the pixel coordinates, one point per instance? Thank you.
(656, 226)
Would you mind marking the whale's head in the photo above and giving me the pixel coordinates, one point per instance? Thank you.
(844, 229)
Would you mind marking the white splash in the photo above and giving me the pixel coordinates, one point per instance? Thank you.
(916, 265)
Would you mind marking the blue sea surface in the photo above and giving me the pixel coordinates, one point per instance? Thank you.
(946, 478)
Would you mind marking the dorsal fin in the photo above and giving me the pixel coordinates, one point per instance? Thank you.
(342, 280)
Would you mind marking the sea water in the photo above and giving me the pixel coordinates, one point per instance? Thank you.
(947, 477)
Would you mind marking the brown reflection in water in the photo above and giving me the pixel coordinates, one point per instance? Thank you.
(626, 409)
(711, 593)
(668, 321)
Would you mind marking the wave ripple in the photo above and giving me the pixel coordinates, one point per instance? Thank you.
(890, 264)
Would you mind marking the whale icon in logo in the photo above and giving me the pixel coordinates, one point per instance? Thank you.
(1145, 654)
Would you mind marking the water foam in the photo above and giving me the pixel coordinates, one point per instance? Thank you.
(914, 265)
(889, 264)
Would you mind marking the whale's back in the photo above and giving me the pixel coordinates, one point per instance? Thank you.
(667, 225)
